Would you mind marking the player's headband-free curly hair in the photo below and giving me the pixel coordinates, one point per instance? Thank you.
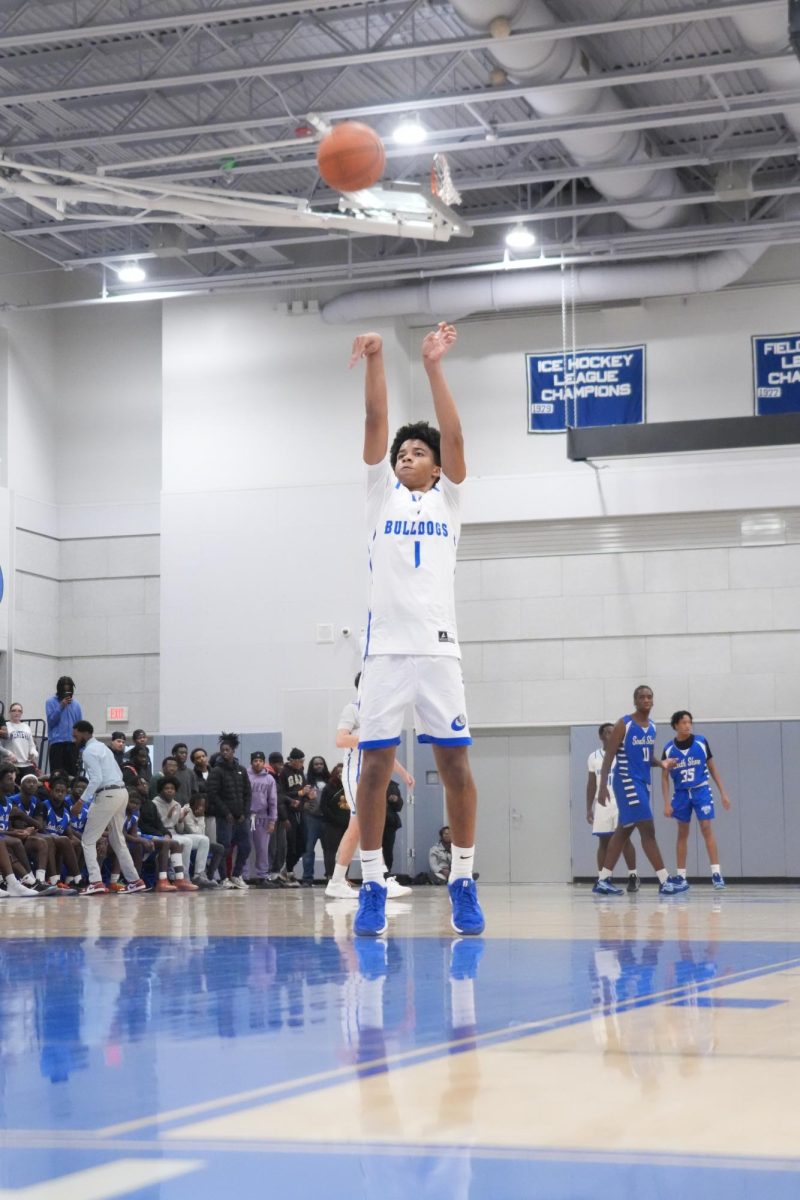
(419, 431)
(229, 739)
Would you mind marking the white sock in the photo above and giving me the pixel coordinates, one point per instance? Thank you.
(605, 874)
(372, 866)
(715, 869)
(29, 880)
(162, 874)
(682, 872)
(632, 871)
(77, 879)
(11, 878)
(462, 861)
(662, 875)
(40, 876)
(339, 873)
(114, 878)
(53, 880)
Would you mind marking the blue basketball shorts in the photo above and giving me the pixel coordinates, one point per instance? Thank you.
(699, 800)
(633, 800)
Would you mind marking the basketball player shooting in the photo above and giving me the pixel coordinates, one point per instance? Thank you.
(412, 655)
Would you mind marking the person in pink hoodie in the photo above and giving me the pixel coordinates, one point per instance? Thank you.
(263, 815)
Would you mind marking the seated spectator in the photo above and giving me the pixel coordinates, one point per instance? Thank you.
(18, 739)
(143, 846)
(440, 857)
(150, 823)
(52, 818)
(228, 796)
(62, 711)
(194, 822)
(318, 776)
(169, 810)
(116, 744)
(22, 838)
(335, 813)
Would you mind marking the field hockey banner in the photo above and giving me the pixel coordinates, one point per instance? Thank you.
(776, 371)
(589, 387)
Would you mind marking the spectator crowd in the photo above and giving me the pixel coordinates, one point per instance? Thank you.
(202, 821)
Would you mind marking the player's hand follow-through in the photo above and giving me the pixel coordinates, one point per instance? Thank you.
(438, 342)
(364, 346)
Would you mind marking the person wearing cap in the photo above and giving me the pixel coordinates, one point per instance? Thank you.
(292, 790)
(263, 815)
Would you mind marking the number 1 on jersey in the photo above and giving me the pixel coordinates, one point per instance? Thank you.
(417, 554)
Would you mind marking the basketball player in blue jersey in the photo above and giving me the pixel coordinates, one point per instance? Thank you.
(694, 765)
(412, 655)
(630, 751)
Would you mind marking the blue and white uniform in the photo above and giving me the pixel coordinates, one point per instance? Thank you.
(690, 779)
(78, 823)
(350, 722)
(55, 822)
(632, 767)
(412, 656)
(606, 816)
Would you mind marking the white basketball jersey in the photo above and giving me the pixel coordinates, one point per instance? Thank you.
(349, 718)
(413, 538)
(596, 765)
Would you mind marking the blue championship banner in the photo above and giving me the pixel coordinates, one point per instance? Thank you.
(776, 373)
(589, 387)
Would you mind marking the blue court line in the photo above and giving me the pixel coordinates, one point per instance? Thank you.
(725, 1002)
(210, 1110)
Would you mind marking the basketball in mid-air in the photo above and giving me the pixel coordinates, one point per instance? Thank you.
(351, 157)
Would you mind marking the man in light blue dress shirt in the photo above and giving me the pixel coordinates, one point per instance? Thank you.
(107, 798)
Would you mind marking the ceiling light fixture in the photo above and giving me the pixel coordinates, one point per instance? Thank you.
(410, 131)
(520, 238)
(131, 272)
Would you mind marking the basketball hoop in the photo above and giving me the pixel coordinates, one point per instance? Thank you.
(442, 184)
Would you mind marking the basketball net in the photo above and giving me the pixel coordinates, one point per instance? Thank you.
(442, 181)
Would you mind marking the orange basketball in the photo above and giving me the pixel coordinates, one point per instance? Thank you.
(351, 157)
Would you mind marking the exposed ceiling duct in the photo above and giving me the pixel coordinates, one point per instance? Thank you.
(541, 63)
(543, 288)
(766, 32)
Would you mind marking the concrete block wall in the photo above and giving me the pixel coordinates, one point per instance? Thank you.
(561, 640)
(89, 608)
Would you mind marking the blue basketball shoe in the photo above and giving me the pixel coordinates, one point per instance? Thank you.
(604, 887)
(467, 916)
(370, 919)
(717, 880)
(673, 886)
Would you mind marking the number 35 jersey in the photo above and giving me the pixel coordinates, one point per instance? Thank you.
(692, 769)
(412, 540)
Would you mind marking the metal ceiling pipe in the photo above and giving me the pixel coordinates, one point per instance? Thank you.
(766, 32)
(543, 288)
(540, 63)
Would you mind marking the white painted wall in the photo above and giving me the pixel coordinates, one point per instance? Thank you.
(698, 365)
(262, 517)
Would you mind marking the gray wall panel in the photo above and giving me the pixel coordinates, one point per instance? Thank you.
(760, 788)
(790, 748)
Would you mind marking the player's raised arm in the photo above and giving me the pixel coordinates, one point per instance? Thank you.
(369, 346)
(434, 348)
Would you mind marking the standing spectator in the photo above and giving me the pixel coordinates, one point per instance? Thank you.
(108, 799)
(394, 804)
(293, 789)
(440, 857)
(185, 777)
(18, 739)
(318, 776)
(117, 745)
(277, 846)
(199, 760)
(334, 810)
(229, 801)
(63, 712)
(263, 814)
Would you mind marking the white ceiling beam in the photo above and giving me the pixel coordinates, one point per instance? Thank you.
(677, 14)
